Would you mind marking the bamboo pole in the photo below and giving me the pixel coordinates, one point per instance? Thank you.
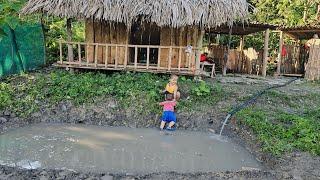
(265, 53)
(280, 54)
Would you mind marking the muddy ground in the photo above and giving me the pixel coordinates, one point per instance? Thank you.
(106, 112)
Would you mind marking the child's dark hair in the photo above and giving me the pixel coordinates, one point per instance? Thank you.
(169, 97)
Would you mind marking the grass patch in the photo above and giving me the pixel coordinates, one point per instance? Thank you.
(24, 94)
(285, 132)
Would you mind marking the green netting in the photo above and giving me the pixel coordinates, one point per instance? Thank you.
(22, 49)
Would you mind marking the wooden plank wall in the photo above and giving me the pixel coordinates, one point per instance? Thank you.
(116, 33)
(90, 39)
(106, 33)
(178, 37)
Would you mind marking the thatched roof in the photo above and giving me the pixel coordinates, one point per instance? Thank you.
(173, 13)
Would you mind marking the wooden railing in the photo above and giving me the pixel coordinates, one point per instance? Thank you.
(127, 57)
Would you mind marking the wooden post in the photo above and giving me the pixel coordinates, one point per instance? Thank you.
(96, 55)
(135, 57)
(79, 53)
(240, 60)
(265, 53)
(280, 54)
(116, 58)
(180, 58)
(226, 55)
(198, 58)
(159, 58)
(148, 57)
(126, 56)
(60, 45)
(170, 58)
(106, 57)
(69, 39)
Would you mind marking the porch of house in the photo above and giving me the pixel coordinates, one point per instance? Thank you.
(127, 57)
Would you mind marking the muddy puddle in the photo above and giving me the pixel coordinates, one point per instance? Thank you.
(120, 150)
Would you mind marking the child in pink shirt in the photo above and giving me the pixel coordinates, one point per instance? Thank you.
(168, 115)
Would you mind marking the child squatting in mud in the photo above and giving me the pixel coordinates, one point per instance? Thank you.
(168, 115)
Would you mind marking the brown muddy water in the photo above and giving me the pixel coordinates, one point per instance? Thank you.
(120, 150)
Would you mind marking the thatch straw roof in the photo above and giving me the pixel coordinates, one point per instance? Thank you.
(173, 13)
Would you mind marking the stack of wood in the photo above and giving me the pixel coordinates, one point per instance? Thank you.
(313, 65)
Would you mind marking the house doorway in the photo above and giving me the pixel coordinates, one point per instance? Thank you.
(145, 34)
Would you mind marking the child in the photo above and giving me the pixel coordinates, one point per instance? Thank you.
(168, 115)
(172, 87)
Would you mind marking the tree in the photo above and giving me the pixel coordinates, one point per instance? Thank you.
(286, 12)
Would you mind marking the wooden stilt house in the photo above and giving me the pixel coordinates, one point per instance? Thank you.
(162, 36)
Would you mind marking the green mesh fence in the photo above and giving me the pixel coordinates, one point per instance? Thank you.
(22, 49)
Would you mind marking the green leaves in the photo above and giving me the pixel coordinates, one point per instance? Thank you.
(286, 12)
(202, 89)
(9, 12)
(289, 131)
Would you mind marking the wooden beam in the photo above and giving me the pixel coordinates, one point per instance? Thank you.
(280, 54)
(265, 53)
(69, 38)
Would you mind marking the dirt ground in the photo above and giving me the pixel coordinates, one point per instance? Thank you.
(295, 165)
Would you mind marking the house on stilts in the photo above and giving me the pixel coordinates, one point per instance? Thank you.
(160, 36)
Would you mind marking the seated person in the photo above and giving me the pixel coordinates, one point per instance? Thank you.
(204, 58)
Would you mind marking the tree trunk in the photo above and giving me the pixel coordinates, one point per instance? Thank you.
(280, 54)
(265, 53)
(69, 39)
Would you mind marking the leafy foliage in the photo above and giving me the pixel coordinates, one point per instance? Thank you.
(286, 12)
(287, 132)
(5, 95)
(128, 88)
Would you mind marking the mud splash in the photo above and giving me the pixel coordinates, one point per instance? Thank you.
(120, 150)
